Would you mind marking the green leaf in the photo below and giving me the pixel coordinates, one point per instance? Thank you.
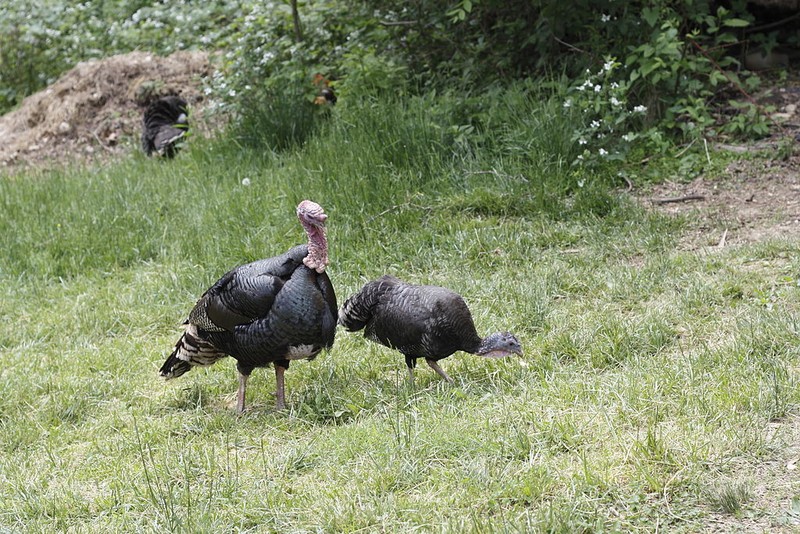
(735, 23)
(650, 16)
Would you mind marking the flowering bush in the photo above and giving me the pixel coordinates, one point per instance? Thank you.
(668, 87)
(606, 123)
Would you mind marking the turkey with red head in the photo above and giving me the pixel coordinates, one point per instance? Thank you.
(267, 312)
(164, 124)
(428, 322)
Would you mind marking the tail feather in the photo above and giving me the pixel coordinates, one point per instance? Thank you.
(174, 367)
(357, 310)
(190, 350)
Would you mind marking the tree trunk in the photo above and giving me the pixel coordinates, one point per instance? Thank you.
(298, 32)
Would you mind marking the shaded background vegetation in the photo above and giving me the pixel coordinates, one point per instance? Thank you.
(680, 59)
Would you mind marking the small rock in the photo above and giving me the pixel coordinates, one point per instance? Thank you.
(64, 128)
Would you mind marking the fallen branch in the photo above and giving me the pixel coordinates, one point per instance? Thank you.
(673, 200)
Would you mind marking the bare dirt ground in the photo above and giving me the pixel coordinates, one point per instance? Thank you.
(94, 111)
(754, 200)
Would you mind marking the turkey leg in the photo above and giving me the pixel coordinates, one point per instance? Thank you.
(280, 403)
(435, 367)
(240, 393)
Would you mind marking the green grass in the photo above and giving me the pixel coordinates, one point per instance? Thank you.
(651, 376)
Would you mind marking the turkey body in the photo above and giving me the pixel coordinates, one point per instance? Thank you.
(267, 312)
(428, 322)
(165, 122)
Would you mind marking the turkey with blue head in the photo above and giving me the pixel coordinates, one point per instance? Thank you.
(267, 312)
(164, 125)
(427, 322)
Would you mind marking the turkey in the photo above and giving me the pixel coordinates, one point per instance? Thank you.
(421, 322)
(270, 311)
(325, 94)
(165, 123)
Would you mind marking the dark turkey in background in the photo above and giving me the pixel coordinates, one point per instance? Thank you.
(267, 312)
(428, 322)
(325, 94)
(164, 124)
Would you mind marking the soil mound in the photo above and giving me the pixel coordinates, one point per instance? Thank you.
(95, 109)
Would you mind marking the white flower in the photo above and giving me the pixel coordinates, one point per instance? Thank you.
(605, 18)
(628, 137)
(207, 91)
(595, 124)
(603, 152)
(266, 58)
(245, 181)
(567, 103)
(582, 141)
(597, 88)
(614, 85)
(232, 92)
(640, 109)
(608, 65)
(615, 101)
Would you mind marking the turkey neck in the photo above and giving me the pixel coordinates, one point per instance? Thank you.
(317, 244)
(482, 346)
(472, 343)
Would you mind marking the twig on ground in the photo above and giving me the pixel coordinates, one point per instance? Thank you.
(627, 181)
(687, 147)
(721, 243)
(673, 200)
(109, 149)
